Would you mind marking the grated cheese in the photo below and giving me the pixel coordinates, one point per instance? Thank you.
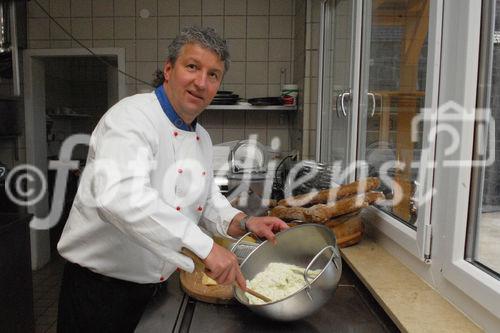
(277, 281)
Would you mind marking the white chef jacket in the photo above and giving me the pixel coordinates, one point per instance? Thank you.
(145, 187)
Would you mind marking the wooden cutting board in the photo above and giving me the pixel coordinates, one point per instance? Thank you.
(192, 285)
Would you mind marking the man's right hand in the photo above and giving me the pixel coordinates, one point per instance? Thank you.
(222, 266)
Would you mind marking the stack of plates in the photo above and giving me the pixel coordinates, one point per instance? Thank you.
(225, 98)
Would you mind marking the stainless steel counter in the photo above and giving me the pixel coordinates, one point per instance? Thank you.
(173, 311)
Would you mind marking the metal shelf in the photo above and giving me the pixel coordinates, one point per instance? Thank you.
(251, 107)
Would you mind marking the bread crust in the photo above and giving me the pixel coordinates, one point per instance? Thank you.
(333, 194)
(321, 213)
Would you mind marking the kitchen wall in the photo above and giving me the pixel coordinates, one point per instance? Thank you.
(309, 84)
(260, 33)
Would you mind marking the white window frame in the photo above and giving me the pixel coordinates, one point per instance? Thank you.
(418, 242)
(459, 73)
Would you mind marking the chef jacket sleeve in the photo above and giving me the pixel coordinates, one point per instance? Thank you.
(218, 212)
(125, 197)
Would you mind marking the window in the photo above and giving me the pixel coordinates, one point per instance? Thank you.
(484, 212)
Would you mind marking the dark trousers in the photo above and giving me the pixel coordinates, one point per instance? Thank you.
(90, 302)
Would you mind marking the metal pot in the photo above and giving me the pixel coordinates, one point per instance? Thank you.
(311, 246)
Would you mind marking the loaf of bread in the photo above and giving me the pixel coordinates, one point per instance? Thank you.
(349, 232)
(333, 194)
(321, 213)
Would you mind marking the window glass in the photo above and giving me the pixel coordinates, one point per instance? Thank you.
(486, 249)
(393, 79)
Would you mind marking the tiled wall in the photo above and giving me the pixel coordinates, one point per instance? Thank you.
(260, 34)
(310, 89)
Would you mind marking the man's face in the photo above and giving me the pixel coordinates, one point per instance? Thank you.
(192, 82)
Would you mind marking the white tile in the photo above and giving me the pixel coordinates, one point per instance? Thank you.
(168, 7)
(38, 28)
(237, 49)
(146, 28)
(212, 7)
(234, 27)
(124, 8)
(102, 28)
(129, 46)
(256, 118)
(85, 42)
(261, 134)
(257, 26)
(81, 8)
(312, 143)
(315, 36)
(59, 8)
(102, 8)
(60, 44)
(104, 43)
(279, 71)
(257, 49)
(190, 7)
(274, 90)
(258, 7)
(279, 50)
(168, 27)
(148, 6)
(314, 63)
(256, 72)
(316, 10)
(163, 49)
(235, 7)
(81, 28)
(38, 44)
(236, 73)
(146, 50)
(256, 90)
(215, 22)
(124, 27)
(35, 11)
(213, 118)
(280, 26)
(234, 119)
(281, 7)
(56, 32)
(232, 134)
(188, 21)
(238, 89)
(144, 88)
(130, 70)
(145, 70)
(277, 119)
(215, 134)
(282, 135)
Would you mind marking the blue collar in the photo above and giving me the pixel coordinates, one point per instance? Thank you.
(170, 112)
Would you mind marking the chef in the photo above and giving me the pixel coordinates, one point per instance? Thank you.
(147, 184)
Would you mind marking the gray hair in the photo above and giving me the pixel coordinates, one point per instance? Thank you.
(205, 37)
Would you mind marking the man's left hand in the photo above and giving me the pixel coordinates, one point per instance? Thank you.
(266, 226)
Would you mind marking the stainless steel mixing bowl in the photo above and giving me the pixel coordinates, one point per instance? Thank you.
(310, 246)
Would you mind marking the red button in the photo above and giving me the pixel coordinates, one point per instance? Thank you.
(198, 138)
(162, 279)
(176, 133)
(179, 170)
(200, 208)
(178, 208)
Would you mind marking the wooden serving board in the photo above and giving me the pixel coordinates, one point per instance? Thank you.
(192, 285)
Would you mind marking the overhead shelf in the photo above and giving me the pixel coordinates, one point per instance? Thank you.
(252, 107)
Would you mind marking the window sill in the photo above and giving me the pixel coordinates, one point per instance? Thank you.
(408, 300)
